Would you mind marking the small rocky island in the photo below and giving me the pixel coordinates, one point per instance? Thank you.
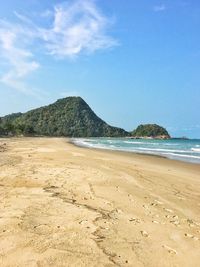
(150, 131)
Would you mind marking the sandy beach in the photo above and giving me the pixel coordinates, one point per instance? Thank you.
(62, 205)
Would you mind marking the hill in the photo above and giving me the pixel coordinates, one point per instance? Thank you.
(69, 116)
(150, 130)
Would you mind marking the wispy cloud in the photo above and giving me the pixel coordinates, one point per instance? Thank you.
(18, 59)
(159, 8)
(75, 27)
(22, 17)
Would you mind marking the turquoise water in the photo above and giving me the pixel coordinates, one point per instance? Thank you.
(185, 150)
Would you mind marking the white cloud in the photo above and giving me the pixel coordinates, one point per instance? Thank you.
(19, 61)
(159, 8)
(76, 27)
(22, 18)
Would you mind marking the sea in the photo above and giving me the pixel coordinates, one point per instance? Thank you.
(178, 149)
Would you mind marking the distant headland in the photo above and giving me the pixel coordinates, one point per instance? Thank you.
(71, 117)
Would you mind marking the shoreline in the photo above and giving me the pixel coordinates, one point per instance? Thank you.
(131, 152)
(64, 205)
(147, 158)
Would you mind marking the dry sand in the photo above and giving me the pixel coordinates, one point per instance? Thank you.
(62, 205)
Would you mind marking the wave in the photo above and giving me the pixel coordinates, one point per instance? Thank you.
(195, 149)
(164, 150)
(141, 142)
(187, 153)
(182, 155)
(133, 142)
(177, 156)
(84, 143)
(138, 149)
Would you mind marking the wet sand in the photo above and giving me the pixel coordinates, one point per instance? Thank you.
(62, 205)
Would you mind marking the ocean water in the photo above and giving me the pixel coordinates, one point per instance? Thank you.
(185, 150)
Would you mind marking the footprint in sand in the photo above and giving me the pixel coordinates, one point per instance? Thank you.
(144, 233)
(155, 222)
(192, 223)
(83, 222)
(158, 202)
(175, 222)
(192, 236)
(170, 250)
(145, 206)
(168, 210)
(135, 220)
(118, 211)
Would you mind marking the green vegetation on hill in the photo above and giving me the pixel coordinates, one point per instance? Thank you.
(69, 116)
(150, 130)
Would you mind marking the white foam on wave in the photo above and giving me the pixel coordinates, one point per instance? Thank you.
(164, 150)
(187, 155)
(182, 155)
(195, 149)
(82, 142)
(133, 142)
(87, 143)
(168, 154)
(140, 142)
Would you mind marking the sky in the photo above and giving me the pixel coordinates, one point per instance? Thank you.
(133, 61)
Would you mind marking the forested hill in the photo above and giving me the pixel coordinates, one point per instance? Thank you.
(150, 130)
(69, 116)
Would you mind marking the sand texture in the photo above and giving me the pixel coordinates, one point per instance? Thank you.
(62, 205)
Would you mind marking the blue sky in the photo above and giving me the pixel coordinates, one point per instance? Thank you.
(132, 61)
